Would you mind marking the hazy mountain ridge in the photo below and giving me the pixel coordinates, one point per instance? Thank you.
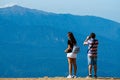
(33, 36)
(80, 24)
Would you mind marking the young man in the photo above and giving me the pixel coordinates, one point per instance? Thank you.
(92, 53)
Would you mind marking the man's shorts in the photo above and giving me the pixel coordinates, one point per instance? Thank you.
(92, 60)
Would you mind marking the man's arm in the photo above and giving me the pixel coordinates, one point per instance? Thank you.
(86, 41)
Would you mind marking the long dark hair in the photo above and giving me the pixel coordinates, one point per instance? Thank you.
(72, 38)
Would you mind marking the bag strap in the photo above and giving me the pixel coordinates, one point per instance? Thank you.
(92, 45)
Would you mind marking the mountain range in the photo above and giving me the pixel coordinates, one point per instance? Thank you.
(32, 43)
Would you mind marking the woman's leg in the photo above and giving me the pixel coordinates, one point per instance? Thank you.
(75, 66)
(70, 65)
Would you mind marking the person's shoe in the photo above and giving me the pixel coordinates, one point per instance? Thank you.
(69, 76)
(95, 76)
(74, 76)
(89, 76)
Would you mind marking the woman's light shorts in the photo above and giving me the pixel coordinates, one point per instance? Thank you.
(71, 55)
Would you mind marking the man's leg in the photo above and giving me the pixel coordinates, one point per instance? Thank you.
(95, 69)
(89, 66)
(95, 66)
(90, 70)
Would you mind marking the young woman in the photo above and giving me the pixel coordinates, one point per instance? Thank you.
(71, 56)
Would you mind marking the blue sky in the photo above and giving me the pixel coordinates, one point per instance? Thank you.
(103, 8)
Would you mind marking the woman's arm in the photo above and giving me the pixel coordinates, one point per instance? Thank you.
(68, 49)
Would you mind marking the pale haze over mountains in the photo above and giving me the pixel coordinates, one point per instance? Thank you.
(32, 43)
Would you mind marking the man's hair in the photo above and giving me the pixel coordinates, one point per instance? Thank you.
(92, 35)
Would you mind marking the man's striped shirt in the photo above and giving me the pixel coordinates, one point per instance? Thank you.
(92, 48)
